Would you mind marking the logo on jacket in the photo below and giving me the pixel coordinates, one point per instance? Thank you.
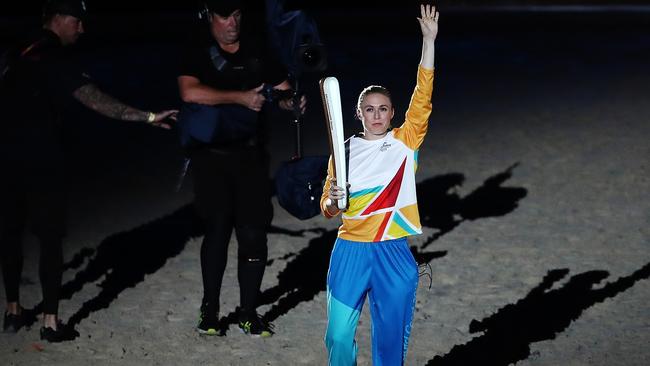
(384, 146)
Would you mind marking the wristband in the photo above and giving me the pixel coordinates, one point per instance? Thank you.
(151, 117)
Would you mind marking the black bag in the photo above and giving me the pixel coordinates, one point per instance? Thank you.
(223, 124)
(299, 185)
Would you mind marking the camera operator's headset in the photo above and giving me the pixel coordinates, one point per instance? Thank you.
(204, 12)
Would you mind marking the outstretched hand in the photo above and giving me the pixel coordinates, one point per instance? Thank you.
(428, 22)
(162, 117)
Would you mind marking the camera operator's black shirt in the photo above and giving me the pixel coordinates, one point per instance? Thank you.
(248, 68)
(37, 88)
(251, 66)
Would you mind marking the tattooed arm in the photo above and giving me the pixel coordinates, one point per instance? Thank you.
(92, 97)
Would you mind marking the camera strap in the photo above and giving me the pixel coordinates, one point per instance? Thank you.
(218, 60)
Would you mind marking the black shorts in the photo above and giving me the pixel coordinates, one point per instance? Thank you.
(233, 185)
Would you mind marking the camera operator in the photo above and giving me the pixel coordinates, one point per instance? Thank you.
(231, 178)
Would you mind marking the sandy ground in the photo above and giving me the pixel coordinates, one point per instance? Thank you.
(533, 188)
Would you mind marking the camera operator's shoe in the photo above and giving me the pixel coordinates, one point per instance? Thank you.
(208, 321)
(13, 322)
(61, 334)
(252, 324)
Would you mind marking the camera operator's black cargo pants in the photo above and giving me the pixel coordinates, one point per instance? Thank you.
(233, 191)
(32, 197)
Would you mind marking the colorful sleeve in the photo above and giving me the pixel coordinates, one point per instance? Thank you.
(326, 188)
(414, 129)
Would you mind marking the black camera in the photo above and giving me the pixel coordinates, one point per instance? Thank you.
(272, 95)
(310, 57)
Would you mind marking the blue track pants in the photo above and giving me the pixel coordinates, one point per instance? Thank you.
(385, 271)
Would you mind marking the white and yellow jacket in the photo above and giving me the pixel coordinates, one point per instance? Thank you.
(382, 197)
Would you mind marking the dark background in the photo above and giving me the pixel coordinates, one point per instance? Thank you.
(132, 49)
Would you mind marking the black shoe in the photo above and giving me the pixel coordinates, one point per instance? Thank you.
(13, 322)
(61, 334)
(251, 323)
(208, 321)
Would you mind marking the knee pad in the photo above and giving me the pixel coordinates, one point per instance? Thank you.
(252, 245)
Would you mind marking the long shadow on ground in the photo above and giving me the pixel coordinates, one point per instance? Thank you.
(541, 315)
(123, 259)
(441, 208)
